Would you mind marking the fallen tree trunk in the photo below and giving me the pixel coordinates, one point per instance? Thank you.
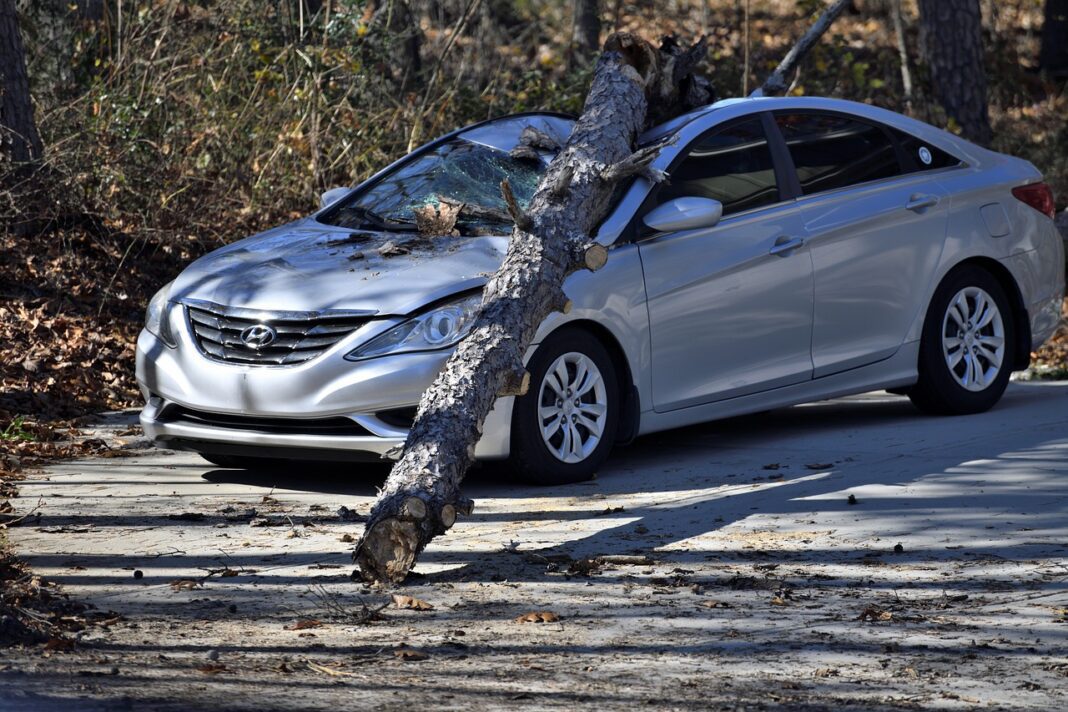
(421, 498)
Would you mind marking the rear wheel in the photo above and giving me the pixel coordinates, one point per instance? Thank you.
(966, 347)
(564, 427)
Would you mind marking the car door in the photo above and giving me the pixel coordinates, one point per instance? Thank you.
(730, 307)
(874, 231)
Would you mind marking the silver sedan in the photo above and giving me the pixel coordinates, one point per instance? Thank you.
(803, 249)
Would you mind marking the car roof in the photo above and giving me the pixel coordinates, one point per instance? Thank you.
(740, 106)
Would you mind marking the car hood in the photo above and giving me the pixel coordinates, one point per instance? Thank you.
(307, 266)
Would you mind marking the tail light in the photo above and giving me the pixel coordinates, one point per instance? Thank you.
(1038, 196)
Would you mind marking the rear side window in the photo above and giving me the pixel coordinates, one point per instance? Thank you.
(831, 152)
(732, 165)
(922, 156)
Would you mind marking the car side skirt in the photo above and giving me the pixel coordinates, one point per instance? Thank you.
(894, 372)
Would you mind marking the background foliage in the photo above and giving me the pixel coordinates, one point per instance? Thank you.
(172, 127)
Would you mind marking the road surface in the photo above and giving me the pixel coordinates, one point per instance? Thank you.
(717, 566)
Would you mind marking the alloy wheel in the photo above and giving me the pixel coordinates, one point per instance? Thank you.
(973, 339)
(572, 407)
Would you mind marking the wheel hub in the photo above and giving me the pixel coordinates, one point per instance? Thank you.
(973, 339)
(572, 407)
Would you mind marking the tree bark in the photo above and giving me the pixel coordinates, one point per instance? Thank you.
(19, 139)
(1053, 57)
(776, 83)
(421, 498)
(586, 29)
(952, 43)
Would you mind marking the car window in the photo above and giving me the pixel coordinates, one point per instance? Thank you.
(922, 156)
(732, 165)
(459, 172)
(831, 151)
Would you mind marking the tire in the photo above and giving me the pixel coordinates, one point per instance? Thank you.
(562, 458)
(243, 462)
(970, 378)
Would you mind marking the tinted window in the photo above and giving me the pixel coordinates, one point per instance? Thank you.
(832, 152)
(732, 165)
(922, 156)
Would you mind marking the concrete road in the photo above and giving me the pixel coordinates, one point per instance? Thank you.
(765, 587)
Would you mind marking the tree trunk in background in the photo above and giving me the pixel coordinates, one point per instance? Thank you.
(951, 39)
(586, 29)
(19, 139)
(421, 497)
(1053, 57)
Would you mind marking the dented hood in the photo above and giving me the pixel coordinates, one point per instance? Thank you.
(307, 266)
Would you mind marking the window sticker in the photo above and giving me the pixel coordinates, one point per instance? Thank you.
(925, 155)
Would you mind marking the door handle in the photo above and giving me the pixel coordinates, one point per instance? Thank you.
(920, 201)
(785, 245)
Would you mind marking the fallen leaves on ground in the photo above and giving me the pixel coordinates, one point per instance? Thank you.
(411, 603)
(538, 617)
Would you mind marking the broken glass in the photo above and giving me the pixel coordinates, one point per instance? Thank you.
(459, 172)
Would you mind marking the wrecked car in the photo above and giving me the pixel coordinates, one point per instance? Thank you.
(803, 248)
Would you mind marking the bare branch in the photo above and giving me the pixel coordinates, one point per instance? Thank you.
(521, 219)
(776, 83)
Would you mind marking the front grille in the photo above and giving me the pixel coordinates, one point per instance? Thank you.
(300, 336)
(338, 425)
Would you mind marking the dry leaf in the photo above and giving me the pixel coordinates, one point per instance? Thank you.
(778, 601)
(212, 668)
(715, 604)
(538, 617)
(411, 603)
(59, 644)
(185, 584)
(304, 624)
(871, 613)
(437, 220)
(409, 654)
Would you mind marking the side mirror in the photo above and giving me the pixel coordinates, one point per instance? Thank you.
(684, 214)
(332, 196)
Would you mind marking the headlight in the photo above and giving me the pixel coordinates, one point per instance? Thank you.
(436, 329)
(156, 316)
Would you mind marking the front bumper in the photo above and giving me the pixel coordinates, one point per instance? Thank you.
(189, 395)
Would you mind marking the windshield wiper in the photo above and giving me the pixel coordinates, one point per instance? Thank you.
(369, 219)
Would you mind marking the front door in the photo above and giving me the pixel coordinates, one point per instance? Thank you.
(730, 307)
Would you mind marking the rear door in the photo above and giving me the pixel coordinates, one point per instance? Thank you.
(730, 307)
(875, 233)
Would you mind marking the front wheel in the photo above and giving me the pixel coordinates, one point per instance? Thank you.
(966, 347)
(564, 427)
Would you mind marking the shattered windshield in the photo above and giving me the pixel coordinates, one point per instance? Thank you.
(459, 173)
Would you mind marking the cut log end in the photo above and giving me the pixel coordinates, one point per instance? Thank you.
(595, 256)
(414, 508)
(388, 549)
(516, 384)
(448, 516)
